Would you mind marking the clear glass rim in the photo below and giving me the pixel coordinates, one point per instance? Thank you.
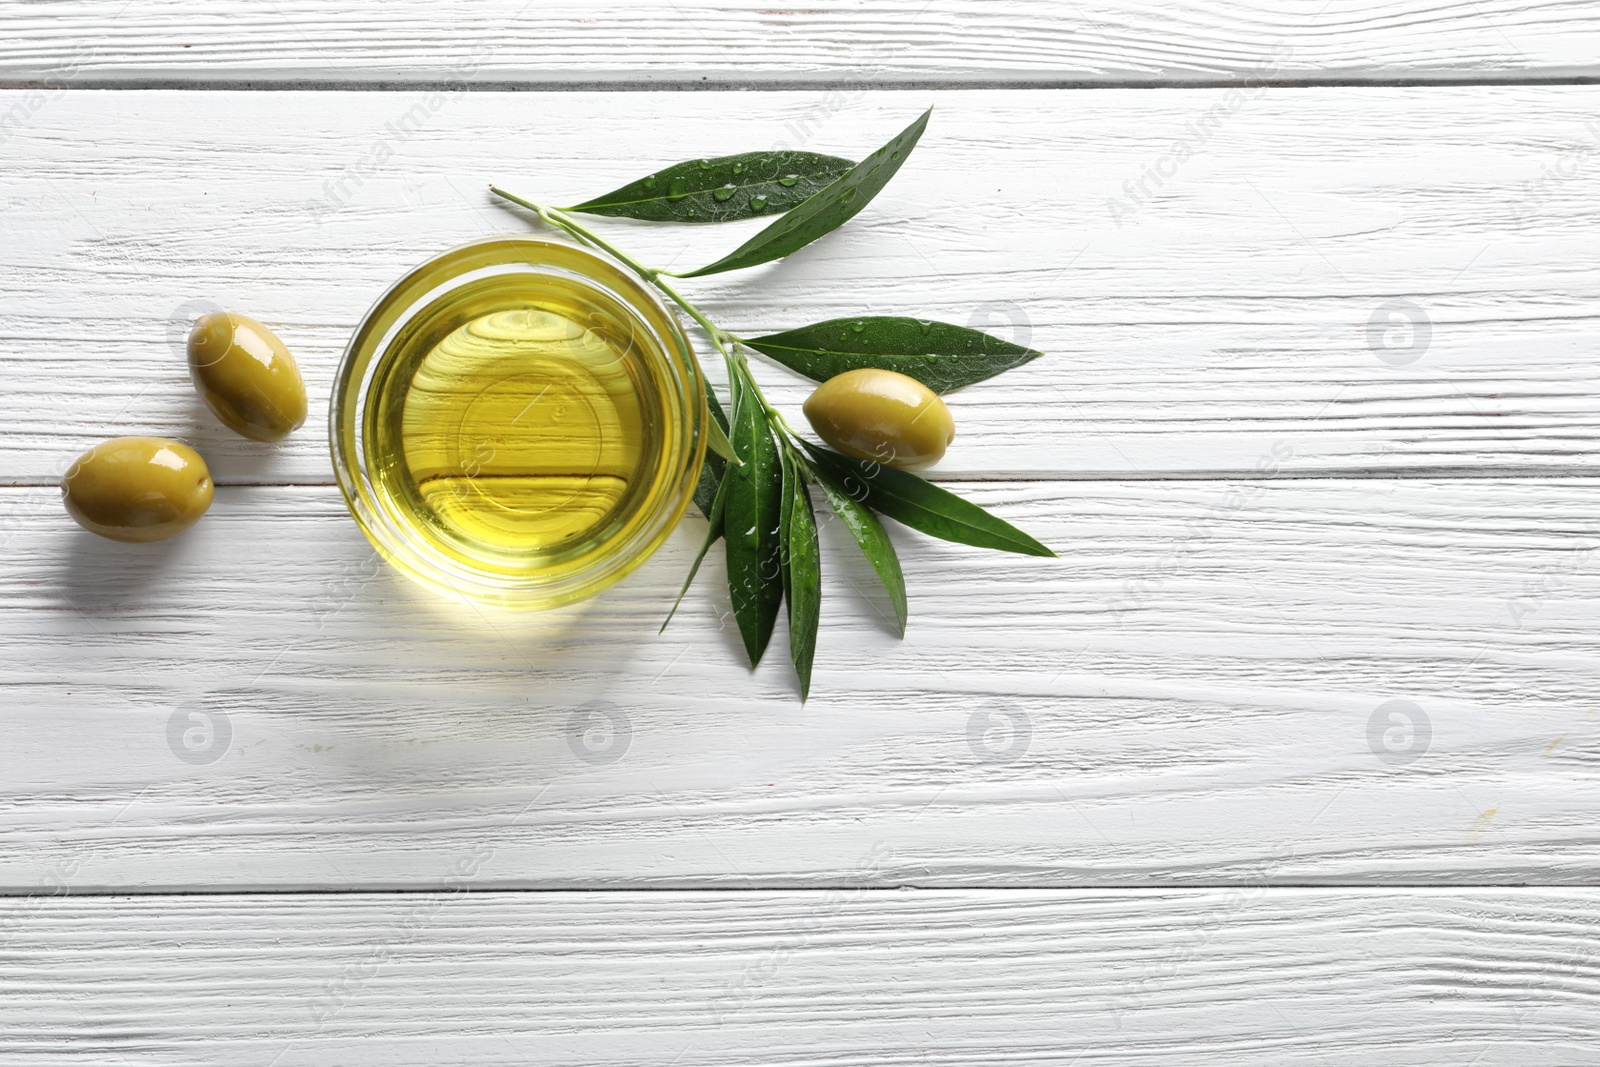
(396, 539)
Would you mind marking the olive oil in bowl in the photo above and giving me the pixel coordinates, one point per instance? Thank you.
(525, 429)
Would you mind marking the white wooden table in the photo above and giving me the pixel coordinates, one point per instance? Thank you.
(1291, 758)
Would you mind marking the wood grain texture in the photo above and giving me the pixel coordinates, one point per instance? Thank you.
(753, 42)
(846, 978)
(1224, 683)
(1202, 323)
(1199, 691)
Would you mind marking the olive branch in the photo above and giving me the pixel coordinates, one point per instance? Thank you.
(755, 487)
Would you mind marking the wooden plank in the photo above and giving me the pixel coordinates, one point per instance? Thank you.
(1234, 318)
(1202, 690)
(1254, 975)
(751, 42)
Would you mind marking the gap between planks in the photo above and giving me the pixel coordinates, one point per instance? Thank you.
(703, 84)
(1130, 889)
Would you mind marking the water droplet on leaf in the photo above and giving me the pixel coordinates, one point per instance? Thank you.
(705, 164)
(725, 192)
(789, 179)
(650, 182)
(858, 327)
(757, 202)
(677, 189)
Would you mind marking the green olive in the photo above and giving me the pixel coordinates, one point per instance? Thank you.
(246, 376)
(881, 415)
(137, 488)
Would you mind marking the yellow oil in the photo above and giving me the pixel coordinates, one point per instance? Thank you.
(517, 425)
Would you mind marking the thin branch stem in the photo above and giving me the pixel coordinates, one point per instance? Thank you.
(563, 221)
(726, 343)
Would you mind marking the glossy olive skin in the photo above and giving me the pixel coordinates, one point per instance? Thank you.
(881, 415)
(246, 376)
(137, 489)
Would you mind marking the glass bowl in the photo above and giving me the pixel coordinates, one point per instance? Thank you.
(518, 422)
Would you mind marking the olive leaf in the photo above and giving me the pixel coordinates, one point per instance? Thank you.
(711, 472)
(717, 443)
(714, 531)
(750, 522)
(723, 189)
(785, 508)
(826, 210)
(710, 496)
(873, 539)
(705, 492)
(922, 505)
(802, 571)
(938, 354)
(753, 486)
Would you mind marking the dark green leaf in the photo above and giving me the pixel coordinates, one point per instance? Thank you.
(710, 496)
(924, 506)
(937, 354)
(871, 536)
(722, 189)
(802, 573)
(827, 210)
(785, 506)
(705, 493)
(712, 533)
(711, 470)
(717, 443)
(750, 524)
